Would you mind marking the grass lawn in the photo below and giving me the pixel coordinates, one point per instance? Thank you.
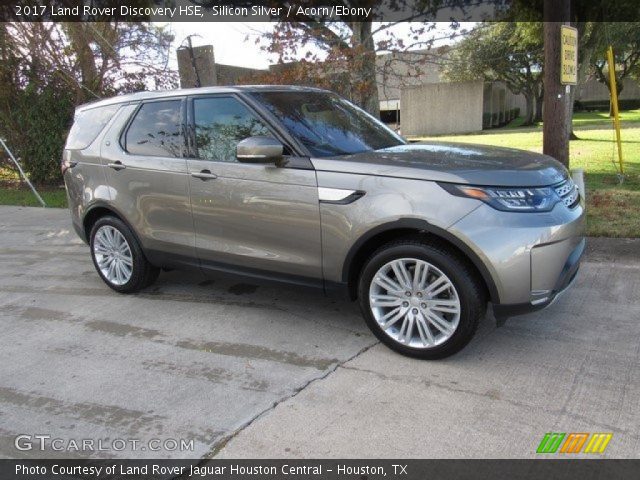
(613, 209)
(11, 193)
(586, 118)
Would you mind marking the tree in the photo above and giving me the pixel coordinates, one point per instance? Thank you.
(556, 121)
(624, 37)
(338, 55)
(333, 57)
(510, 52)
(588, 17)
(345, 67)
(97, 58)
(588, 33)
(46, 69)
(315, 49)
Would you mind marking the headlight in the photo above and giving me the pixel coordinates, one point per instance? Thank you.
(508, 199)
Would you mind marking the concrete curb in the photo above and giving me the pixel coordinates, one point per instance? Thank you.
(613, 250)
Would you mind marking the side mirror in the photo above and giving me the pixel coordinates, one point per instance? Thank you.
(259, 150)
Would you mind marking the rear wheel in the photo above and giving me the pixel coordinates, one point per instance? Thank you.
(420, 299)
(118, 258)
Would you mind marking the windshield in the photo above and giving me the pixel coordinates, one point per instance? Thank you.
(327, 124)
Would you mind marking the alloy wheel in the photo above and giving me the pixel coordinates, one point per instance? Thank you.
(414, 303)
(113, 255)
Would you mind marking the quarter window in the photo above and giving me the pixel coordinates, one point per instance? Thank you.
(156, 130)
(220, 123)
(88, 124)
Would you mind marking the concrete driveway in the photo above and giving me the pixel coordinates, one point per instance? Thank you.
(272, 371)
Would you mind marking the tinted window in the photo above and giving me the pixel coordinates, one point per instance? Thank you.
(87, 124)
(156, 130)
(327, 124)
(220, 124)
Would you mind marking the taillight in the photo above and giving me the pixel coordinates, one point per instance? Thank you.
(66, 162)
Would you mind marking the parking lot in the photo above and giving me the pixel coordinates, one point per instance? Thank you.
(247, 370)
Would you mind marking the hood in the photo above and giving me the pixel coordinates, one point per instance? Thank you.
(453, 163)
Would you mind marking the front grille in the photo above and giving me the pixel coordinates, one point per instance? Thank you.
(568, 192)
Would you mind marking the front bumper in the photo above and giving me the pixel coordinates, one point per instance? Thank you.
(564, 282)
(531, 257)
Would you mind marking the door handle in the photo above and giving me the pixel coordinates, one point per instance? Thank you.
(204, 175)
(116, 165)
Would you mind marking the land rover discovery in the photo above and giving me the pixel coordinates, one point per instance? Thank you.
(299, 185)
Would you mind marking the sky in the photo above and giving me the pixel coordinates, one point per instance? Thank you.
(229, 42)
(231, 47)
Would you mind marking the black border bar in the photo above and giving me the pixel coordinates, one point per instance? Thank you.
(545, 468)
(304, 10)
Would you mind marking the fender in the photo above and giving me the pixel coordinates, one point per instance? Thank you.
(107, 206)
(423, 225)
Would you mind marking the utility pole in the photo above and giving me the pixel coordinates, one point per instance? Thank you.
(556, 108)
(196, 65)
(193, 63)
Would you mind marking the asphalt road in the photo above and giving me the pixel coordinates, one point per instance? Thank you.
(246, 370)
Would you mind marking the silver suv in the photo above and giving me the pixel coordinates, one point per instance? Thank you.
(299, 185)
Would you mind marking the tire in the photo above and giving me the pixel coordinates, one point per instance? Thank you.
(457, 308)
(112, 242)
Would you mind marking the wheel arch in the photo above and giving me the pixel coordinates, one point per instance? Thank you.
(378, 236)
(99, 210)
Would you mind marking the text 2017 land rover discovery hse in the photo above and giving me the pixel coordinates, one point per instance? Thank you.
(297, 184)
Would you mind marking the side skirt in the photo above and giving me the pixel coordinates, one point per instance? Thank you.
(178, 262)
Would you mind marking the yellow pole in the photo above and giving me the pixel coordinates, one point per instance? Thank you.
(614, 103)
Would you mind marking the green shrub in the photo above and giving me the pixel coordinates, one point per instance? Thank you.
(486, 120)
(603, 105)
(36, 128)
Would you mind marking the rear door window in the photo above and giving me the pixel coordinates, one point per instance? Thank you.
(87, 124)
(156, 130)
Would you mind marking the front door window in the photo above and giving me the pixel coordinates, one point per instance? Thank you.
(220, 123)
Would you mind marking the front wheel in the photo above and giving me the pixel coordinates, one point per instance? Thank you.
(420, 299)
(118, 257)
